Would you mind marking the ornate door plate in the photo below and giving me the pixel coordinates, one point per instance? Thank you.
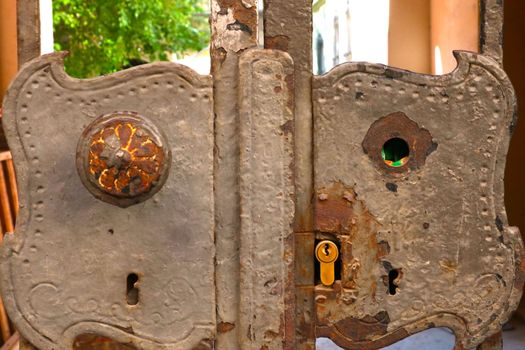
(124, 266)
(424, 238)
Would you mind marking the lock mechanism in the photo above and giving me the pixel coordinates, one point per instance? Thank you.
(327, 253)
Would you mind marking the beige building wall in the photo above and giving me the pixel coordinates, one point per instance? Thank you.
(417, 27)
(409, 35)
(454, 24)
(8, 44)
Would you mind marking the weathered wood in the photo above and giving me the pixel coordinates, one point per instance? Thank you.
(5, 203)
(13, 190)
(12, 342)
(28, 30)
(4, 323)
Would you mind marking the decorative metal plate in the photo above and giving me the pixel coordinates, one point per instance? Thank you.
(143, 274)
(409, 183)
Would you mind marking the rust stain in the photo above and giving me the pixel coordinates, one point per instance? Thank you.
(269, 334)
(448, 266)
(373, 290)
(287, 326)
(225, 327)
(244, 17)
(398, 125)
(290, 85)
(277, 42)
(378, 342)
(95, 342)
(520, 272)
(241, 19)
(338, 210)
(287, 128)
(492, 342)
(383, 249)
(124, 160)
(351, 265)
(366, 328)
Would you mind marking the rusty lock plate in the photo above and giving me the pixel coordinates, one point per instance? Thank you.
(409, 182)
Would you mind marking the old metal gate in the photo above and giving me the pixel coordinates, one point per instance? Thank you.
(261, 207)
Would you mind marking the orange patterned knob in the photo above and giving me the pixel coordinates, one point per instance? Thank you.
(122, 158)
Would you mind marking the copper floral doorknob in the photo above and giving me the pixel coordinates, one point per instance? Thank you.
(122, 158)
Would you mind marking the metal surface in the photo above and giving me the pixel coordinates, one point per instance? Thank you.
(327, 253)
(288, 27)
(429, 243)
(64, 272)
(123, 158)
(267, 201)
(163, 218)
(233, 30)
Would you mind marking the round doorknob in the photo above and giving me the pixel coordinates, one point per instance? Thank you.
(123, 158)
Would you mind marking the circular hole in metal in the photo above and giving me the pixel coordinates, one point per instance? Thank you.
(395, 152)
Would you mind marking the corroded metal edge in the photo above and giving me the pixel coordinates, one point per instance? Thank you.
(267, 200)
(13, 243)
(510, 235)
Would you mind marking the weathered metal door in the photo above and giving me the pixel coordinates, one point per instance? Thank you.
(261, 207)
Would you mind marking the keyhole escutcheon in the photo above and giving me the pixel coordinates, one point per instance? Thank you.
(327, 254)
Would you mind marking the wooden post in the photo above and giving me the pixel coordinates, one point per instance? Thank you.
(8, 44)
(28, 30)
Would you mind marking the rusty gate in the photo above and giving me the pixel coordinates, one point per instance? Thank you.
(261, 207)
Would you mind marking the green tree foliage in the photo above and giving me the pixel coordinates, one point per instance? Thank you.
(103, 36)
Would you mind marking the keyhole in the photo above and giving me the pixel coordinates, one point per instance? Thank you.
(132, 292)
(393, 276)
(326, 249)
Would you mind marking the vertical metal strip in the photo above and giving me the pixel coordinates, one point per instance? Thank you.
(491, 29)
(267, 200)
(288, 27)
(234, 29)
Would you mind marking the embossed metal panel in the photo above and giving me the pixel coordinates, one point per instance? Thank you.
(267, 200)
(116, 227)
(424, 238)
